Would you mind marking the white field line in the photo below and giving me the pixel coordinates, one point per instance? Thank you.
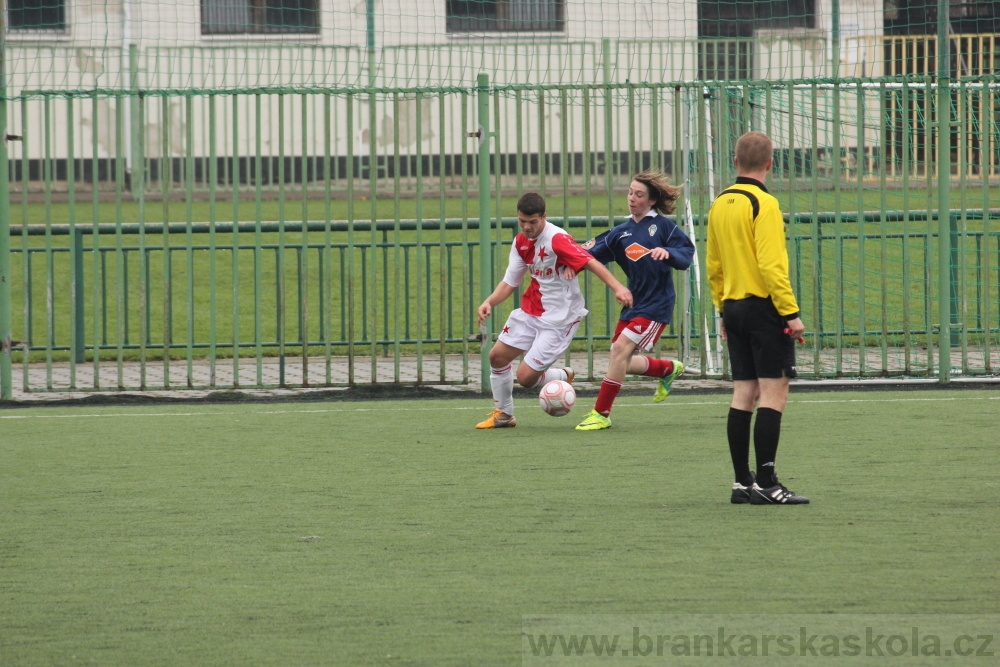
(389, 408)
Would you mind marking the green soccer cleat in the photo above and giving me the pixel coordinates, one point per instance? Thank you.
(595, 421)
(663, 388)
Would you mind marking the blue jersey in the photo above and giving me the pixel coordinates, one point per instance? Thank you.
(649, 280)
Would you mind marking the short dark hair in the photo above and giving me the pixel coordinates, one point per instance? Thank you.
(531, 203)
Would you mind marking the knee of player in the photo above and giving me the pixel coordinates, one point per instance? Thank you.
(622, 351)
(527, 377)
(498, 358)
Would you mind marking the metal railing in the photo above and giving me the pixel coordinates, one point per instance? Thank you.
(399, 289)
(840, 147)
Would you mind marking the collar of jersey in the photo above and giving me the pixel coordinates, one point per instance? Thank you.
(650, 214)
(743, 180)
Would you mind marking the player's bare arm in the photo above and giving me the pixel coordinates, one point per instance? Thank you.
(622, 293)
(500, 294)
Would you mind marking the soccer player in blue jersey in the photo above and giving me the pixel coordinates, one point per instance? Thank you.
(647, 247)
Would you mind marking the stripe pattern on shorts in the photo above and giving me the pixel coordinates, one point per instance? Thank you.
(652, 335)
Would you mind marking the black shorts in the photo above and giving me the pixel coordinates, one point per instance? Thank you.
(758, 344)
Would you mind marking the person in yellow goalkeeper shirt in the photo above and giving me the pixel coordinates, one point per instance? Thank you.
(748, 276)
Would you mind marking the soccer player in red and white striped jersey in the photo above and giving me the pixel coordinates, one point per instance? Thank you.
(551, 308)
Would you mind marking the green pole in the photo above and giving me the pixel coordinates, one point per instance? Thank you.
(945, 223)
(485, 226)
(609, 166)
(136, 161)
(835, 38)
(6, 388)
(370, 40)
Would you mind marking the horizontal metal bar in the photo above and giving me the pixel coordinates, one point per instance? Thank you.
(457, 223)
(289, 226)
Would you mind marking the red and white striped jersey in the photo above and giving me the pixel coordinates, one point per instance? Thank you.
(550, 297)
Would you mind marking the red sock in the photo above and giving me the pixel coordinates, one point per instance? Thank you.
(606, 397)
(658, 368)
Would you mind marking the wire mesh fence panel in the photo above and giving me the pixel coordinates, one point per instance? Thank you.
(231, 194)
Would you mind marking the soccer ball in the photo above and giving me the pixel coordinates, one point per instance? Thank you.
(557, 398)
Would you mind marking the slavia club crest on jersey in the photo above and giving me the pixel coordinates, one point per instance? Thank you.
(652, 230)
(635, 252)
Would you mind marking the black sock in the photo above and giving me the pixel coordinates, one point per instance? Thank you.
(738, 431)
(766, 431)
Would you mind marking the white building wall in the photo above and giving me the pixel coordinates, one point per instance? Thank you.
(860, 33)
(780, 56)
(403, 22)
(642, 42)
(642, 19)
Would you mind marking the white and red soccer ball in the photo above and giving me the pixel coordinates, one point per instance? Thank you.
(557, 398)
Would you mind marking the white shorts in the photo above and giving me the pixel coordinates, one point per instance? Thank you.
(543, 345)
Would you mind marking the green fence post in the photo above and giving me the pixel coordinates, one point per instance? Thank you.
(485, 226)
(6, 389)
(370, 45)
(835, 38)
(79, 348)
(135, 159)
(944, 205)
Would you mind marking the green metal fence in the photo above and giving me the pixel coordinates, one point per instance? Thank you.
(252, 240)
(99, 299)
(97, 304)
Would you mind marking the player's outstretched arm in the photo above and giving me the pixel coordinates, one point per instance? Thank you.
(622, 293)
(500, 294)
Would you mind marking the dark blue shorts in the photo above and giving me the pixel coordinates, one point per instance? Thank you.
(758, 344)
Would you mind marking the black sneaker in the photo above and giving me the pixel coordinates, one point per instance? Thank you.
(775, 495)
(741, 494)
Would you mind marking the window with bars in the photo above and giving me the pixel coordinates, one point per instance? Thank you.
(919, 17)
(725, 59)
(36, 15)
(718, 18)
(239, 17)
(505, 15)
(726, 31)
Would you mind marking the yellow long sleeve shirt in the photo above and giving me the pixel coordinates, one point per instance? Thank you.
(747, 255)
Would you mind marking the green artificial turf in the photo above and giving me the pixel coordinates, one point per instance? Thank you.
(393, 533)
